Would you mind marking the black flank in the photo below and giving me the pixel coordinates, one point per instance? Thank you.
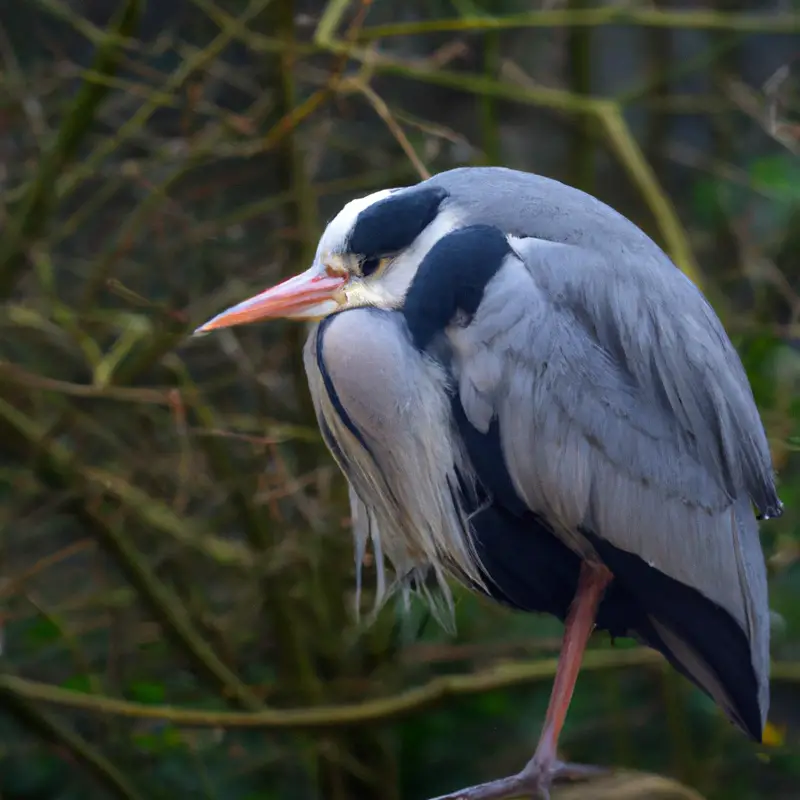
(707, 628)
(530, 569)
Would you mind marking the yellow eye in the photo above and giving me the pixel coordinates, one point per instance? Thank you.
(371, 265)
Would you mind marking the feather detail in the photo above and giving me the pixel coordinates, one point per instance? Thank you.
(385, 411)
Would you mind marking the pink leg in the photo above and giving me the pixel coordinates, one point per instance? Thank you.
(540, 772)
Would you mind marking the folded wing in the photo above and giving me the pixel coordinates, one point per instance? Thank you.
(627, 422)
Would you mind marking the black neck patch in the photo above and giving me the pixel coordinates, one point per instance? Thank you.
(451, 278)
(392, 224)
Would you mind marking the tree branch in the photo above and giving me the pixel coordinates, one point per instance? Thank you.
(45, 726)
(502, 676)
(142, 506)
(699, 19)
(58, 468)
(31, 217)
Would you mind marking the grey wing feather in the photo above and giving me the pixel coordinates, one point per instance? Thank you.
(625, 410)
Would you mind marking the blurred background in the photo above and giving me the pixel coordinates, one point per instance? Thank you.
(176, 567)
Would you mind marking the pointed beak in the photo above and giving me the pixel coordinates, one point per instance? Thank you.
(310, 295)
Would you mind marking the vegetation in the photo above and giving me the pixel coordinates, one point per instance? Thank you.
(177, 585)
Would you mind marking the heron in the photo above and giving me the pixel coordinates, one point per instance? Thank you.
(527, 396)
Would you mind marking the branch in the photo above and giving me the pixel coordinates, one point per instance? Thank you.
(30, 380)
(631, 157)
(45, 726)
(623, 143)
(501, 676)
(59, 469)
(171, 612)
(138, 503)
(177, 79)
(32, 215)
(700, 19)
(505, 675)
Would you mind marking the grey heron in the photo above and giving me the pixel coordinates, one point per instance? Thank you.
(526, 395)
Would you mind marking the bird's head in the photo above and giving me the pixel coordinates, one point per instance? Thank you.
(367, 256)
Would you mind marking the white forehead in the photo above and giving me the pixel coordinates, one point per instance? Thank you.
(340, 226)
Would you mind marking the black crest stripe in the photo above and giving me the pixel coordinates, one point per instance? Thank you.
(392, 224)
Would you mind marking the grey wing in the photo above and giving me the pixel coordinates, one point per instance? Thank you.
(624, 410)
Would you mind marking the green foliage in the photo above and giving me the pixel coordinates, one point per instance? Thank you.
(146, 692)
(77, 683)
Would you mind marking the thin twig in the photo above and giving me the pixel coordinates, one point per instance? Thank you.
(35, 209)
(15, 583)
(140, 505)
(617, 15)
(383, 111)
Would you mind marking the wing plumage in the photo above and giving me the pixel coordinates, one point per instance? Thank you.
(624, 412)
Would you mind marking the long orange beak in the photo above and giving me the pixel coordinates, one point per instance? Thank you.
(306, 296)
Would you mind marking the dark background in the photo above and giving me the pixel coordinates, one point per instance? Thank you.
(172, 531)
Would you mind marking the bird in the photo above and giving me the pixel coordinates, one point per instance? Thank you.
(528, 397)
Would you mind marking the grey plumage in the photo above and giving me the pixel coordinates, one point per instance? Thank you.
(622, 409)
(404, 488)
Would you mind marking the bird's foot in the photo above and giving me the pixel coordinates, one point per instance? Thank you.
(533, 783)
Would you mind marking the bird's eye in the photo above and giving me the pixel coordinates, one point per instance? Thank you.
(369, 265)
